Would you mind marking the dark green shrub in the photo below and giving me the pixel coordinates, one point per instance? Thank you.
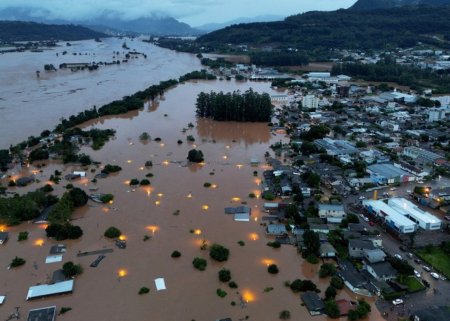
(143, 290)
(17, 261)
(70, 269)
(224, 275)
(112, 232)
(23, 236)
(107, 198)
(285, 315)
(64, 310)
(274, 244)
(199, 263)
(175, 254)
(272, 269)
(221, 293)
(134, 182)
(219, 253)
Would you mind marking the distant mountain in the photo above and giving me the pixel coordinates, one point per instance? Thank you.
(154, 25)
(385, 4)
(32, 31)
(216, 26)
(157, 25)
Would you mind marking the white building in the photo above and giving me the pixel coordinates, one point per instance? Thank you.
(395, 219)
(436, 114)
(421, 155)
(424, 219)
(333, 213)
(319, 75)
(310, 101)
(279, 99)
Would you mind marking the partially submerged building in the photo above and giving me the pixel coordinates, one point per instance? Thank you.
(44, 290)
(313, 302)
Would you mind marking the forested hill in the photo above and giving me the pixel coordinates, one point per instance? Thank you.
(345, 29)
(32, 31)
(384, 4)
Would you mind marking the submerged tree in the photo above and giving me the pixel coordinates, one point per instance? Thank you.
(236, 106)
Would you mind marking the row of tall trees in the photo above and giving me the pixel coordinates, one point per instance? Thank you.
(236, 106)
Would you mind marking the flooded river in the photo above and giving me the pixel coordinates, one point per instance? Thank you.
(29, 104)
(178, 213)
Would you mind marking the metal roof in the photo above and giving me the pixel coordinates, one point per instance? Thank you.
(387, 170)
(394, 215)
(50, 289)
(413, 210)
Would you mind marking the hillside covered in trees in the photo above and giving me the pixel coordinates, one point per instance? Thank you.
(32, 31)
(384, 4)
(342, 29)
(249, 106)
(386, 70)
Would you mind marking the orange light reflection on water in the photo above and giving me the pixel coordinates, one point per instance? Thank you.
(253, 236)
(267, 261)
(248, 296)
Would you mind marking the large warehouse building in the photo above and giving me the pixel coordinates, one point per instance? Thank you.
(387, 173)
(395, 219)
(424, 219)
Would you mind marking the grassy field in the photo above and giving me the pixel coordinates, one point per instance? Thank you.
(413, 284)
(437, 258)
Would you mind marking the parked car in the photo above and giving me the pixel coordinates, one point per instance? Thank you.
(366, 219)
(398, 256)
(397, 302)
(393, 189)
(435, 275)
(417, 274)
(417, 261)
(408, 191)
(361, 198)
(426, 283)
(410, 255)
(442, 277)
(447, 217)
(402, 248)
(426, 268)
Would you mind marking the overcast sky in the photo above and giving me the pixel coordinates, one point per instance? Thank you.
(193, 12)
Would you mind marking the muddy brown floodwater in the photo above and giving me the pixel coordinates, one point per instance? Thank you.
(28, 104)
(110, 291)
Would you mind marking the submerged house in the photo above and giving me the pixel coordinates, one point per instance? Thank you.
(313, 302)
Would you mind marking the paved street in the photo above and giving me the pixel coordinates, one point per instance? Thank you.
(439, 291)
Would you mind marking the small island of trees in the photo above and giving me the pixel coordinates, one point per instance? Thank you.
(249, 106)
